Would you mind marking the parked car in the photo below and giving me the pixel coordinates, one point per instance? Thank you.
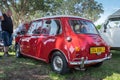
(110, 31)
(21, 29)
(65, 42)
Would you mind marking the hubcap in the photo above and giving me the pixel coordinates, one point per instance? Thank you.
(57, 63)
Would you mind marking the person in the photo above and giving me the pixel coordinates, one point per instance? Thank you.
(1, 42)
(77, 28)
(83, 29)
(7, 30)
(1, 18)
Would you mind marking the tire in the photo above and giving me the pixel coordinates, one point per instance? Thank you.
(18, 53)
(98, 64)
(59, 63)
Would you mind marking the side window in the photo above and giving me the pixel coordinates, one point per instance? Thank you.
(46, 27)
(38, 28)
(51, 27)
(32, 27)
(35, 27)
(83, 26)
(55, 27)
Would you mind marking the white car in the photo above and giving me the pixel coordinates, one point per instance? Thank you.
(110, 31)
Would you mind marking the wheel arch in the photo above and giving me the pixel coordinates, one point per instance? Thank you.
(16, 45)
(53, 51)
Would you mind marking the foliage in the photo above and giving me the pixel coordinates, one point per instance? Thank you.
(90, 9)
(23, 9)
(27, 10)
(98, 26)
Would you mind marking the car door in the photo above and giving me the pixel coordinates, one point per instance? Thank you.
(27, 40)
(48, 41)
(35, 36)
(35, 41)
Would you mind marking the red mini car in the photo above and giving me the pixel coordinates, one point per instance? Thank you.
(63, 41)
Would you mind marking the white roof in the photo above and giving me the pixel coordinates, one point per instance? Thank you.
(115, 15)
(58, 16)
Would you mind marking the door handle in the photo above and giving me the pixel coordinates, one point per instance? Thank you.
(34, 36)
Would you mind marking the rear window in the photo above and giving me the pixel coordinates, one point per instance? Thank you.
(83, 26)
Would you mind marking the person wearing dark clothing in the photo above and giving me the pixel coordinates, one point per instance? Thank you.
(7, 22)
(7, 30)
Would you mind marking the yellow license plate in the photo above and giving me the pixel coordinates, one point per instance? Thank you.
(97, 50)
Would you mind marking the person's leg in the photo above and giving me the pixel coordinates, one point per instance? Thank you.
(6, 48)
(0, 35)
(6, 39)
(10, 39)
(1, 42)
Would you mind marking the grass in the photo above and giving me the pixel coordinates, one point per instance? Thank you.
(12, 68)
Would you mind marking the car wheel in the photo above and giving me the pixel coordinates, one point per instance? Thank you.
(18, 53)
(59, 63)
(98, 64)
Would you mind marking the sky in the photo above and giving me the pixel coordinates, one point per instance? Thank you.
(109, 6)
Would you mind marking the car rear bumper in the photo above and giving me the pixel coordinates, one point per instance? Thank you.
(85, 61)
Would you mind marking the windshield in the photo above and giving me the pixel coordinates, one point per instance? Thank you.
(83, 26)
(113, 24)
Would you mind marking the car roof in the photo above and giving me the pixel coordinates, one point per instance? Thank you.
(61, 16)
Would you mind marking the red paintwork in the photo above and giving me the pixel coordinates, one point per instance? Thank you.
(41, 46)
(27, 24)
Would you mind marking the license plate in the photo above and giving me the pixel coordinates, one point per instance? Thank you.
(94, 50)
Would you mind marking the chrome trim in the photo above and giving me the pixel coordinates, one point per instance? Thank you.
(82, 63)
(91, 61)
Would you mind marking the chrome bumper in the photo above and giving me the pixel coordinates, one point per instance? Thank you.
(84, 61)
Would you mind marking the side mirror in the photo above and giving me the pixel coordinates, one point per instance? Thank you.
(105, 27)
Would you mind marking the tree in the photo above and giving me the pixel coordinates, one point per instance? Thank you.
(23, 9)
(63, 7)
(90, 9)
(30, 9)
(98, 26)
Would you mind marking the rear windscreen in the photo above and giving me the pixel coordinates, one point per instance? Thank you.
(83, 26)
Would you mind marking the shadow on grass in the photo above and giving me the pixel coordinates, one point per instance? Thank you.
(31, 69)
(23, 69)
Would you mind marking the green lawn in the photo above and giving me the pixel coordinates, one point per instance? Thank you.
(12, 68)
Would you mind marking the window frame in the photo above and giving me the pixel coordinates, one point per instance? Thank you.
(59, 30)
(36, 22)
(71, 26)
